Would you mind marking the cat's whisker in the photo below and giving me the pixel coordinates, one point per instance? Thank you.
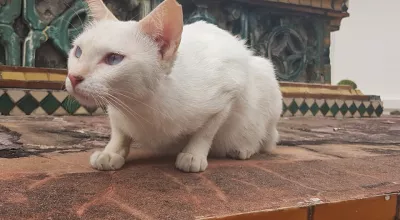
(95, 100)
(119, 92)
(122, 114)
(126, 107)
(121, 111)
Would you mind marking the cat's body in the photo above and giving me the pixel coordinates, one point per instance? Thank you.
(214, 95)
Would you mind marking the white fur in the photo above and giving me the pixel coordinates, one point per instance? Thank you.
(217, 95)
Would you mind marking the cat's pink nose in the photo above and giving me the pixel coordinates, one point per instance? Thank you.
(75, 80)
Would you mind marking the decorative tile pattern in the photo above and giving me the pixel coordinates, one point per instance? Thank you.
(28, 104)
(334, 109)
(41, 102)
(344, 109)
(361, 109)
(331, 108)
(49, 102)
(314, 109)
(70, 105)
(6, 104)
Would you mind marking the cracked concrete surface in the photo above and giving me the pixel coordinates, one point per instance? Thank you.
(45, 172)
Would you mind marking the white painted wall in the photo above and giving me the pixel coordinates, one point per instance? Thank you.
(366, 49)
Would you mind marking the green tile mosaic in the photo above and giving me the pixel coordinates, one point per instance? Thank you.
(70, 105)
(361, 109)
(27, 103)
(6, 104)
(304, 108)
(293, 108)
(39, 102)
(314, 109)
(330, 108)
(50, 104)
(344, 109)
(284, 108)
(353, 108)
(370, 110)
(324, 108)
(334, 109)
(379, 110)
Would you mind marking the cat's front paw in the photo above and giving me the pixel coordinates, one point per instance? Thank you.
(106, 160)
(188, 162)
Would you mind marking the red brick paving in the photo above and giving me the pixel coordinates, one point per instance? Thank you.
(49, 176)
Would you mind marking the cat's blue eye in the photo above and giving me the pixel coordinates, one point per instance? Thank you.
(113, 58)
(78, 52)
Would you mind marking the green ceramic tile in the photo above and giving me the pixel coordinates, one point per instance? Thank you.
(361, 109)
(324, 108)
(91, 110)
(304, 108)
(293, 107)
(284, 108)
(344, 109)
(379, 110)
(50, 104)
(370, 110)
(314, 108)
(334, 109)
(287, 101)
(353, 108)
(6, 104)
(70, 105)
(27, 104)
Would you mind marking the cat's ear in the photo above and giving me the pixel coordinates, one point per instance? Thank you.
(164, 25)
(99, 11)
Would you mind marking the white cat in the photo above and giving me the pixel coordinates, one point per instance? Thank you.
(194, 89)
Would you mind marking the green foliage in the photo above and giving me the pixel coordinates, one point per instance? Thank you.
(348, 83)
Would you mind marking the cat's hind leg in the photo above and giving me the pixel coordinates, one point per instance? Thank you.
(236, 142)
(240, 138)
(193, 157)
(240, 154)
(271, 139)
(242, 148)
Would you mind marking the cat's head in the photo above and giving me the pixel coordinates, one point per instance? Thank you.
(113, 58)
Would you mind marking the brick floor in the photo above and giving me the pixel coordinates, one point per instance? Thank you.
(45, 172)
